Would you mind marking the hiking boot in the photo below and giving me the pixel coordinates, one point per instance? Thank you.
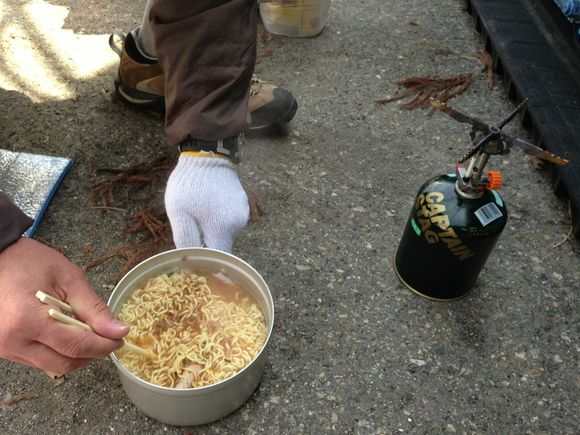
(270, 105)
(140, 84)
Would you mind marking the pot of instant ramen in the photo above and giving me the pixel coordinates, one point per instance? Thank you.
(207, 316)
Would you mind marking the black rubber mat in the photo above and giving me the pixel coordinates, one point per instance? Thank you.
(532, 46)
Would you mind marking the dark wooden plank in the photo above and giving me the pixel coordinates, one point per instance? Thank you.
(540, 64)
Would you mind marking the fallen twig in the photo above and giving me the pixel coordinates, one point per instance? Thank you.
(131, 180)
(11, 400)
(423, 89)
(154, 223)
(485, 58)
(257, 209)
(557, 245)
(153, 233)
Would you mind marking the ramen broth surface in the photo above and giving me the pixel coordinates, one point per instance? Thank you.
(203, 329)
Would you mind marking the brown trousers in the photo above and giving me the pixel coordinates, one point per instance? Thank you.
(207, 52)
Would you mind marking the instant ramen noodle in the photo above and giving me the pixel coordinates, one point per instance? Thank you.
(200, 334)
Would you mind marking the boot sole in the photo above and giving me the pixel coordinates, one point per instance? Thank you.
(278, 123)
(140, 100)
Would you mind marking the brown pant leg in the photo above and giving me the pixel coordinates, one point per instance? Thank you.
(207, 51)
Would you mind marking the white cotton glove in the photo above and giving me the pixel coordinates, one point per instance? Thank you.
(206, 203)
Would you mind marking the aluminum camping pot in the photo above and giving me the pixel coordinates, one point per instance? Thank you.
(195, 406)
(448, 239)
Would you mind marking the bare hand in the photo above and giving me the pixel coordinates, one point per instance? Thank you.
(27, 334)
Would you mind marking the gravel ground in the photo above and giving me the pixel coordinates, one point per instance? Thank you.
(353, 350)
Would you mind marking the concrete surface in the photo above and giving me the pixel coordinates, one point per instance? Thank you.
(353, 350)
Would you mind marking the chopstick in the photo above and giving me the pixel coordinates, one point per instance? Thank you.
(63, 318)
(49, 300)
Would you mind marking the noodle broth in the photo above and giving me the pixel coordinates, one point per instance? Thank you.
(203, 328)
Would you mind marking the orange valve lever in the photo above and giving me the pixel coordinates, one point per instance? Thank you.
(494, 180)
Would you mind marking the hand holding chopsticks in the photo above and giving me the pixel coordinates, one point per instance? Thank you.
(28, 335)
(63, 318)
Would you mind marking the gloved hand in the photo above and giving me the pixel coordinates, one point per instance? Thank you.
(205, 202)
(28, 335)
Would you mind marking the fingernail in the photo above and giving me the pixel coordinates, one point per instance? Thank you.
(119, 326)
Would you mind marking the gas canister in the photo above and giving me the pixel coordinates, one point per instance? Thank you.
(457, 218)
(448, 238)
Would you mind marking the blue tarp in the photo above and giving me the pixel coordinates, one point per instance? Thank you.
(570, 9)
(31, 180)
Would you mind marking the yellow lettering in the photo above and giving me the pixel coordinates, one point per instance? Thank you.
(464, 254)
(436, 208)
(450, 233)
(433, 197)
(425, 224)
(431, 212)
(442, 221)
(423, 212)
(452, 243)
(420, 200)
(431, 237)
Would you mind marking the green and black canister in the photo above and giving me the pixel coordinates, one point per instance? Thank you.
(448, 238)
(457, 218)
